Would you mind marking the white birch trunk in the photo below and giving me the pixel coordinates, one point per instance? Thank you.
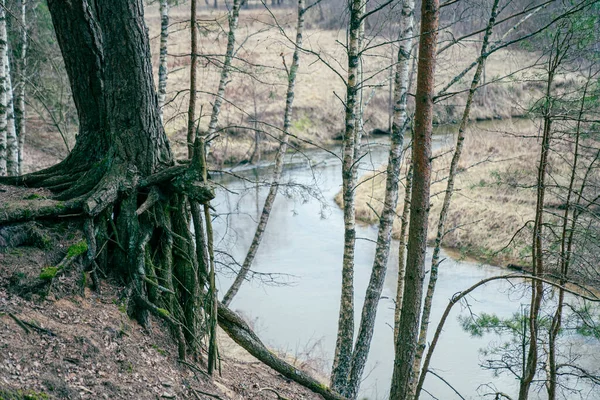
(279, 161)
(162, 63)
(12, 143)
(345, 335)
(3, 97)
(19, 91)
(224, 79)
(384, 236)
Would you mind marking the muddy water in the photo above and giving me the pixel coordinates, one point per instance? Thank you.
(302, 252)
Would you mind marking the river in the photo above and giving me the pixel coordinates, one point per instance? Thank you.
(303, 247)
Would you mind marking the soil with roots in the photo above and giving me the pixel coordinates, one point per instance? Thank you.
(60, 339)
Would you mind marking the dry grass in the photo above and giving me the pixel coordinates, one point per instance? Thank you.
(259, 81)
(488, 208)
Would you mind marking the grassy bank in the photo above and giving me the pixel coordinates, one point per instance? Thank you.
(259, 81)
(494, 198)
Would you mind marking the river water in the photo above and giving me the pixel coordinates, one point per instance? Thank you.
(302, 252)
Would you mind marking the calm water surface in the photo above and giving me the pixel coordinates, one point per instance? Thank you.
(304, 243)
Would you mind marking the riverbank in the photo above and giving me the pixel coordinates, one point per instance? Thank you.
(494, 195)
(69, 342)
(257, 87)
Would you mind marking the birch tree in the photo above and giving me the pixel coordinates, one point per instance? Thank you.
(279, 162)
(3, 93)
(20, 85)
(163, 70)
(12, 142)
(345, 334)
(386, 222)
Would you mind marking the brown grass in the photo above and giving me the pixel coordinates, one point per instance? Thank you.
(258, 84)
(488, 207)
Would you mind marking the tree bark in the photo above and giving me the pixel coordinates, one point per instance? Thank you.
(435, 260)
(193, 72)
(3, 93)
(12, 142)
(417, 237)
(20, 110)
(163, 69)
(345, 336)
(279, 161)
(384, 236)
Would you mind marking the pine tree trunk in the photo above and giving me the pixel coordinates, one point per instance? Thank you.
(435, 261)
(408, 329)
(279, 161)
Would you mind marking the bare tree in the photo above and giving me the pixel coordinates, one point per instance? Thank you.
(163, 68)
(279, 162)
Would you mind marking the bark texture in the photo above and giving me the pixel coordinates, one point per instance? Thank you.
(163, 70)
(12, 142)
(386, 222)
(408, 329)
(441, 228)
(3, 95)
(345, 336)
(19, 89)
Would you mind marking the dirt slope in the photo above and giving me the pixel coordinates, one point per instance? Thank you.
(74, 343)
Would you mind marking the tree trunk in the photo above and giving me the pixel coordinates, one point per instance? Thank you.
(279, 161)
(12, 142)
(435, 260)
(224, 78)
(537, 250)
(3, 92)
(419, 211)
(402, 254)
(163, 70)
(20, 111)
(345, 336)
(193, 72)
(384, 236)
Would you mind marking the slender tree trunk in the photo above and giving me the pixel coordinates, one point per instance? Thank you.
(566, 247)
(384, 236)
(408, 329)
(279, 161)
(20, 111)
(345, 336)
(163, 70)
(225, 69)
(3, 92)
(12, 142)
(441, 228)
(193, 73)
(402, 253)
(537, 287)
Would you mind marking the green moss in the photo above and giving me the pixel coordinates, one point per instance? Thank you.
(163, 312)
(35, 196)
(159, 350)
(77, 249)
(49, 273)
